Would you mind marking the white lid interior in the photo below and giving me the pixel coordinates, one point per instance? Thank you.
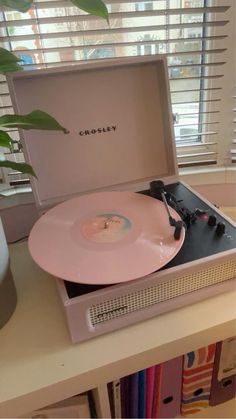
(131, 95)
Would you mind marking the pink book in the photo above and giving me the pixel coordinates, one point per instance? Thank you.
(150, 379)
(170, 388)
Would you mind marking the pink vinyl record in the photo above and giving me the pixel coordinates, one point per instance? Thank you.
(105, 238)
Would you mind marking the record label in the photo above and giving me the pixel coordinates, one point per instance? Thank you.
(106, 228)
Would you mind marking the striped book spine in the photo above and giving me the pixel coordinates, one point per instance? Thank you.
(197, 377)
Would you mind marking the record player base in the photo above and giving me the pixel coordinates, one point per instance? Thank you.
(117, 306)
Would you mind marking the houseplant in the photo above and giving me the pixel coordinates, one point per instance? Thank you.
(9, 62)
(36, 119)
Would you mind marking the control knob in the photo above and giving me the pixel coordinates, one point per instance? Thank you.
(212, 220)
(220, 229)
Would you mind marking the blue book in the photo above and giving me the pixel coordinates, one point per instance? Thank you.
(142, 394)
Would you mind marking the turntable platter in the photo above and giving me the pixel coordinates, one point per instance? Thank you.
(105, 238)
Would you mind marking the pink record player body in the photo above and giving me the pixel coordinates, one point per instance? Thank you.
(102, 232)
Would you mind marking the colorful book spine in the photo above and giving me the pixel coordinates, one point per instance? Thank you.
(142, 394)
(197, 377)
(170, 388)
(224, 373)
(125, 392)
(150, 381)
(134, 383)
(156, 392)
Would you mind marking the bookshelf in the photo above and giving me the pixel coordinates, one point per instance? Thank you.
(40, 366)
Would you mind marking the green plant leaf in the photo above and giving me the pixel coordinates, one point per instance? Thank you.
(20, 167)
(35, 120)
(10, 67)
(7, 57)
(93, 7)
(19, 5)
(8, 61)
(5, 140)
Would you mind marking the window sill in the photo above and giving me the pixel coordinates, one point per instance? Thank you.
(217, 185)
(208, 175)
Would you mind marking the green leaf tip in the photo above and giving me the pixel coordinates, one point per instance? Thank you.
(8, 61)
(93, 7)
(5, 140)
(18, 5)
(19, 167)
(37, 119)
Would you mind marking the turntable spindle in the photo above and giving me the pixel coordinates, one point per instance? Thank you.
(107, 222)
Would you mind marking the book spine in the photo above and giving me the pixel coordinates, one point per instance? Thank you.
(156, 391)
(111, 399)
(141, 393)
(117, 398)
(170, 388)
(150, 381)
(134, 383)
(223, 386)
(125, 391)
(197, 376)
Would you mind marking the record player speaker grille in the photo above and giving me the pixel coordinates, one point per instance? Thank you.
(161, 292)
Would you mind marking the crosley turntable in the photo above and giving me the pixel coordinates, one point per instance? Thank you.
(123, 237)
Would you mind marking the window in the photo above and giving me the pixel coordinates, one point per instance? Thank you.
(144, 5)
(195, 35)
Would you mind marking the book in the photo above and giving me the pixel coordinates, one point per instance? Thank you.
(197, 377)
(223, 386)
(156, 391)
(150, 381)
(117, 398)
(125, 394)
(170, 388)
(227, 361)
(111, 399)
(92, 405)
(141, 393)
(134, 386)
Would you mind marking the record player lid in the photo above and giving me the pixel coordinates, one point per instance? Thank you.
(120, 122)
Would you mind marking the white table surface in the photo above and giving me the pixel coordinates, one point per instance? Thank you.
(39, 365)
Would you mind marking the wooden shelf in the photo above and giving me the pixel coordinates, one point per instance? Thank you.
(39, 365)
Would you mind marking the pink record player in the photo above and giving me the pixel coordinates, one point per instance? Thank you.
(124, 238)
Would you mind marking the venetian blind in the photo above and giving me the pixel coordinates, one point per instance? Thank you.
(192, 34)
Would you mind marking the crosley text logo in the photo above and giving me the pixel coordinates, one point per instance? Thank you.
(97, 130)
(112, 313)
